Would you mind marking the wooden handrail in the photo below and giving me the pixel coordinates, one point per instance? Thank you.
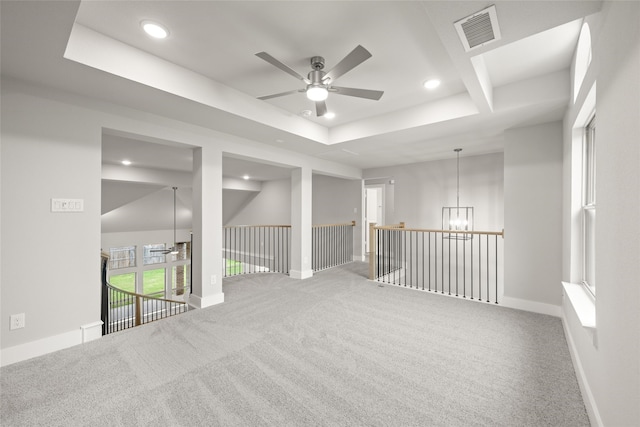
(133, 294)
(247, 226)
(426, 230)
(399, 225)
(352, 223)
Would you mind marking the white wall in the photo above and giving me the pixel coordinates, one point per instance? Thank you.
(420, 190)
(533, 215)
(608, 364)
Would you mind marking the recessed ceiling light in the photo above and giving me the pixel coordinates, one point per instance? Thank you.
(432, 84)
(246, 177)
(329, 115)
(126, 162)
(154, 29)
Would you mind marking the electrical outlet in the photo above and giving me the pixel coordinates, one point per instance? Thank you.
(214, 279)
(17, 321)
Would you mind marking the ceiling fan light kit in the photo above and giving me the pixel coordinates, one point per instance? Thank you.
(317, 92)
(319, 83)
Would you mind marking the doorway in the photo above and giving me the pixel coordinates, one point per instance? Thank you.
(374, 209)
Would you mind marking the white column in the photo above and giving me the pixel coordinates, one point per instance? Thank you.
(301, 187)
(206, 280)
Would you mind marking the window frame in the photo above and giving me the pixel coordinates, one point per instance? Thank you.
(588, 206)
(149, 258)
(114, 261)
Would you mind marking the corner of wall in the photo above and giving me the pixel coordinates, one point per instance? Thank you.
(532, 306)
(585, 389)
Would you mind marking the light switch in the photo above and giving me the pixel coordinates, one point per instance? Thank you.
(67, 205)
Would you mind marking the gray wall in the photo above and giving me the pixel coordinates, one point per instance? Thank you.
(271, 206)
(533, 213)
(337, 201)
(50, 261)
(420, 190)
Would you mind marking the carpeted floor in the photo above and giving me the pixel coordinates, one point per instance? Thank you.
(333, 350)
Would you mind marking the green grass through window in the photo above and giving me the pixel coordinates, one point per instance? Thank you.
(126, 282)
(233, 267)
(152, 281)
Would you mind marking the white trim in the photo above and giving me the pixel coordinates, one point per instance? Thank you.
(91, 331)
(40, 347)
(359, 258)
(296, 274)
(583, 304)
(207, 301)
(533, 306)
(589, 400)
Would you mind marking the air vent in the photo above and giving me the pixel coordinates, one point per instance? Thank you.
(478, 29)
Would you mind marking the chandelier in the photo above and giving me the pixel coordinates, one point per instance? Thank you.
(458, 218)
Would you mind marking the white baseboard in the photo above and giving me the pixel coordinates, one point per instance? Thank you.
(533, 306)
(91, 331)
(589, 400)
(207, 301)
(40, 347)
(297, 274)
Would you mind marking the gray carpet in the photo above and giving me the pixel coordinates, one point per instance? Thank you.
(333, 350)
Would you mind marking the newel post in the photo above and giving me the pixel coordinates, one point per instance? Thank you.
(139, 312)
(372, 251)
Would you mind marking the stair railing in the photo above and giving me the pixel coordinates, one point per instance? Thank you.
(465, 264)
(123, 310)
(256, 249)
(331, 245)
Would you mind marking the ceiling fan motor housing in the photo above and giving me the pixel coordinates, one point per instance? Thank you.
(317, 62)
(316, 77)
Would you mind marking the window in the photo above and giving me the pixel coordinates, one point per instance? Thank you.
(180, 279)
(184, 252)
(589, 207)
(152, 254)
(153, 282)
(122, 257)
(126, 282)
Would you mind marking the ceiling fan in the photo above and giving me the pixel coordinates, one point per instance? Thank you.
(174, 249)
(320, 83)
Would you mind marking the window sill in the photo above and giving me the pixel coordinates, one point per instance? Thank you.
(583, 304)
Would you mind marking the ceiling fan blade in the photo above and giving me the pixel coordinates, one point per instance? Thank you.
(275, 95)
(321, 108)
(349, 62)
(360, 93)
(273, 61)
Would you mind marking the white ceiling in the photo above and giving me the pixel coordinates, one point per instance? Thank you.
(207, 73)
